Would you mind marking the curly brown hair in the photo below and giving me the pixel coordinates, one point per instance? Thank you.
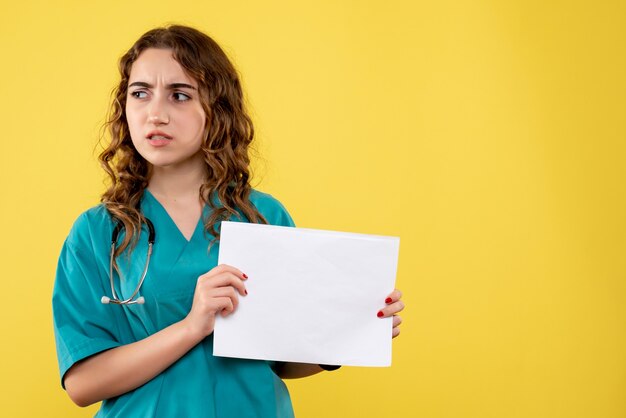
(228, 135)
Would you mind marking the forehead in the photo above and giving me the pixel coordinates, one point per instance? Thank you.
(154, 65)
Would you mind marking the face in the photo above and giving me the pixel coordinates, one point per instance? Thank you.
(165, 116)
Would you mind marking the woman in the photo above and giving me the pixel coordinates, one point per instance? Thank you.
(178, 157)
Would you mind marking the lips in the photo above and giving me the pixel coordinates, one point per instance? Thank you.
(158, 135)
(159, 139)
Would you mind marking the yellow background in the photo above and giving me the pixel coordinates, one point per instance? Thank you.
(489, 135)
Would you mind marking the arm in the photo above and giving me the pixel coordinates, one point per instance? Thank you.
(119, 370)
(297, 370)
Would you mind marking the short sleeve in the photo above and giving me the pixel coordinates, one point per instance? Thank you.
(82, 325)
(273, 211)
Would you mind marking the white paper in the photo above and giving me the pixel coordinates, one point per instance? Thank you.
(312, 296)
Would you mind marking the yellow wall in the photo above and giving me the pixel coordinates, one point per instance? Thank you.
(488, 135)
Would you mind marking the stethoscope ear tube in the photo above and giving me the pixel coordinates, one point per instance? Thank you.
(131, 300)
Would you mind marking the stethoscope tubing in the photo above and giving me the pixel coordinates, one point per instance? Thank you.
(131, 300)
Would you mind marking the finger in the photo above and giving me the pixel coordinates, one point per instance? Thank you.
(396, 321)
(212, 300)
(224, 279)
(225, 268)
(225, 306)
(394, 296)
(224, 292)
(228, 279)
(395, 332)
(391, 309)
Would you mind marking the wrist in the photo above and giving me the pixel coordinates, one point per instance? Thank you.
(328, 367)
(191, 332)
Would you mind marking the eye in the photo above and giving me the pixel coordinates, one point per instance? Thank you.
(139, 94)
(181, 97)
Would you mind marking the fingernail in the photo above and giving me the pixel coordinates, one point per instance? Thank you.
(245, 276)
(388, 300)
(380, 314)
(245, 291)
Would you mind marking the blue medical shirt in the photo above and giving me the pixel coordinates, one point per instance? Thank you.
(198, 384)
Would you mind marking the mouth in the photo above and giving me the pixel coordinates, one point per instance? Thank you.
(158, 136)
(158, 139)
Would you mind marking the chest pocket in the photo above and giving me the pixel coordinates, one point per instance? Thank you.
(171, 307)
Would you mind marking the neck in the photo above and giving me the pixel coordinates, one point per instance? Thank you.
(177, 183)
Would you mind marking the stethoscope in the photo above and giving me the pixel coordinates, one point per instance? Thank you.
(131, 300)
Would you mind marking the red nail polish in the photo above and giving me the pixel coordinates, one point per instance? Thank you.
(388, 300)
(380, 314)
(245, 276)
(245, 291)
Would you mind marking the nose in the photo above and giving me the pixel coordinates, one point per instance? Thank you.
(158, 114)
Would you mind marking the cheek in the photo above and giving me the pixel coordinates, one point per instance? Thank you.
(197, 123)
(202, 123)
(198, 116)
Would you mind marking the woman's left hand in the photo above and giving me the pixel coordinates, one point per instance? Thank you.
(394, 305)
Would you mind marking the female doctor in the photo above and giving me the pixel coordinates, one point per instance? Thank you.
(178, 164)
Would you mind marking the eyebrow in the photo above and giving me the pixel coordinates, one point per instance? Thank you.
(169, 86)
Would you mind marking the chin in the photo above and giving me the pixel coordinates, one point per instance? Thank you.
(171, 163)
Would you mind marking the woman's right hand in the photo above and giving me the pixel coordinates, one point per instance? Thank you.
(217, 292)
